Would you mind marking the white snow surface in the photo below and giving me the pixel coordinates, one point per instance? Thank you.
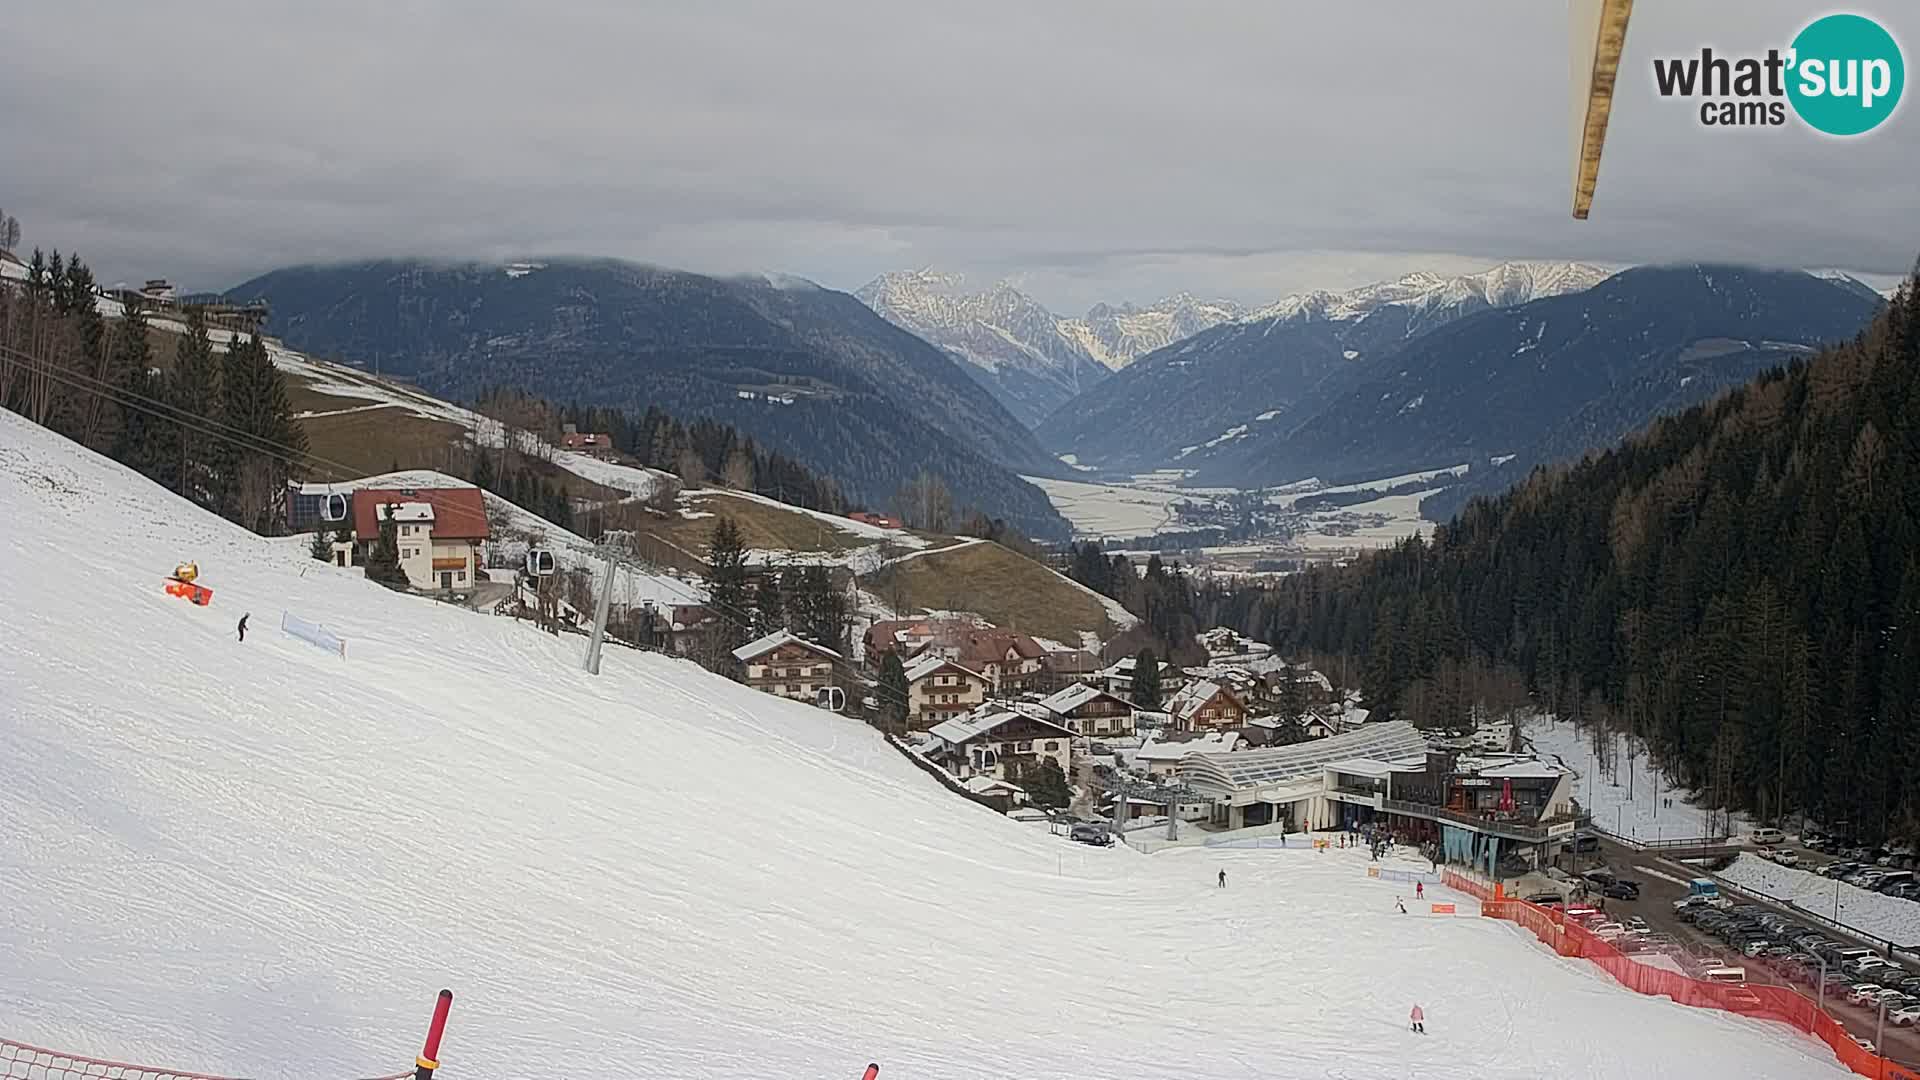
(262, 860)
(1622, 803)
(1877, 914)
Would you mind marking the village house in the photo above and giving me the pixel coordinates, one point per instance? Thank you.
(1162, 757)
(1011, 662)
(1090, 711)
(590, 443)
(911, 637)
(1001, 744)
(939, 690)
(1225, 645)
(439, 532)
(787, 666)
(1206, 706)
(883, 521)
(1063, 667)
(1117, 678)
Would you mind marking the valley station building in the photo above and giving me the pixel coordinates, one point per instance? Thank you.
(1477, 810)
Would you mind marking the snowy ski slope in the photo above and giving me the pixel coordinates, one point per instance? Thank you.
(261, 860)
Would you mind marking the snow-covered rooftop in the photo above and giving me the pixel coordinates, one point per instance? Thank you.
(962, 729)
(406, 511)
(1072, 697)
(760, 646)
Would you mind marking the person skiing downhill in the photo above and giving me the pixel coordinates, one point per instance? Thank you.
(243, 626)
(1401, 904)
(1223, 879)
(1419, 890)
(1419, 1020)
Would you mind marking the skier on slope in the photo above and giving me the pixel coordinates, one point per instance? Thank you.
(243, 626)
(1419, 890)
(1401, 904)
(1419, 1019)
(1223, 879)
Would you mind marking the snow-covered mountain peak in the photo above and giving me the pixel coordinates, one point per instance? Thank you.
(1504, 285)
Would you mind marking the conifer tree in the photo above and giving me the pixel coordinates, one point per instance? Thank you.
(383, 560)
(727, 583)
(892, 692)
(1146, 680)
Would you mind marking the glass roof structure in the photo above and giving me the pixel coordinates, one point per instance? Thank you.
(1280, 764)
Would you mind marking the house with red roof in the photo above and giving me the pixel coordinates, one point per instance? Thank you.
(439, 532)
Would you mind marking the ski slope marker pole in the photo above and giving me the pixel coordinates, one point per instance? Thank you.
(873, 1070)
(427, 1061)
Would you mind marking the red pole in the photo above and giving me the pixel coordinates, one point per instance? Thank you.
(429, 1055)
(873, 1070)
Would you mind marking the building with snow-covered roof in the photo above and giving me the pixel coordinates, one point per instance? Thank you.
(999, 743)
(788, 666)
(1162, 757)
(939, 690)
(1205, 705)
(1089, 710)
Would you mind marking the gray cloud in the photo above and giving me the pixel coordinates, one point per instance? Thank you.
(1093, 150)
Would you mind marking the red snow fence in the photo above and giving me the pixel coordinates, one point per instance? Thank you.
(20, 1061)
(1778, 1003)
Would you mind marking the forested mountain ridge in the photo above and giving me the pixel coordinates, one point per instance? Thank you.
(1738, 584)
(804, 370)
(1551, 379)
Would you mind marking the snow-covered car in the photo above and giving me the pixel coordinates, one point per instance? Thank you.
(1786, 858)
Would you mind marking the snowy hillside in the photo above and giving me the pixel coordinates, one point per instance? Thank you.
(261, 859)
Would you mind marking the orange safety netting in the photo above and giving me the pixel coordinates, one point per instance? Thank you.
(1788, 1006)
(19, 1061)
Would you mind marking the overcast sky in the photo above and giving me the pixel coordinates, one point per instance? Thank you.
(1098, 150)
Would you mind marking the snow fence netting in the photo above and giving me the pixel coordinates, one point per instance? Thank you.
(1778, 1003)
(19, 1061)
(313, 633)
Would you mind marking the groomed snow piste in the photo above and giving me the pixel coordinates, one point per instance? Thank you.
(262, 860)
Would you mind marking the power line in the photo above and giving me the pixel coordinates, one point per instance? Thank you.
(126, 398)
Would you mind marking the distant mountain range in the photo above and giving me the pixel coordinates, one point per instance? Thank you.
(1031, 359)
(1277, 364)
(805, 370)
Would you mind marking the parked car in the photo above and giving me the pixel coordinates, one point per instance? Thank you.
(1621, 890)
(1767, 836)
(1096, 835)
(1786, 858)
(1858, 993)
(1891, 975)
(1904, 1017)
(1864, 1044)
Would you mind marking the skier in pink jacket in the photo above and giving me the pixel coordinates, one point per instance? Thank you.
(1419, 1020)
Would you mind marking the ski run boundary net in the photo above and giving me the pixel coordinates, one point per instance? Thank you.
(19, 1061)
(1778, 1003)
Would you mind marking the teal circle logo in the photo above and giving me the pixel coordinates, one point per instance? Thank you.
(1847, 75)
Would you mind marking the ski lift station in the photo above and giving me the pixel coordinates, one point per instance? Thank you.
(1478, 810)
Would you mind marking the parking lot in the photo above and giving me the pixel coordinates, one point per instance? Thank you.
(1662, 882)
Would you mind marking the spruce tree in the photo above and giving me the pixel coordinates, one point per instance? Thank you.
(769, 606)
(892, 691)
(193, 392)
(727, 583)
(1146, 680)
(383, 561)
(322, 547)
(1046, 785)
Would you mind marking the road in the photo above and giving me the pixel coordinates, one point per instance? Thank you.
(1663, 881)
